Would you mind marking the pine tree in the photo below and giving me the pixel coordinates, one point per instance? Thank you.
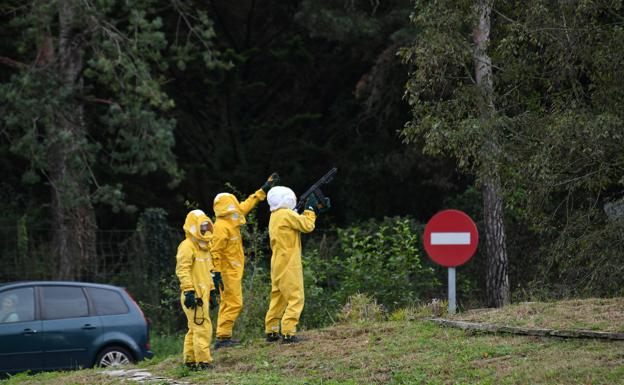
(86, 101)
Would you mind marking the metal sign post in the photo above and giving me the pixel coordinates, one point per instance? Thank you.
(451, 239)
(452, 302)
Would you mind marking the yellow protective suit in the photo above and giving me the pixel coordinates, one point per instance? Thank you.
(229, 256)
(287, 292)
(193, 267)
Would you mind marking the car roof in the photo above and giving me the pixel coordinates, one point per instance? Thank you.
(17, 284)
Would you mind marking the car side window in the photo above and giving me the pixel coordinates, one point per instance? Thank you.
(17, 305)
(63, 302)
(107, 302)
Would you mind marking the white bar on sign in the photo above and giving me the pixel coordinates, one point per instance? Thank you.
(450, 238)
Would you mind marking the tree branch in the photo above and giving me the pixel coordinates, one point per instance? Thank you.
(100, 101)
(12, 63)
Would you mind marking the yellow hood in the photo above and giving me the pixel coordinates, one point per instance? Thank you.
(191, 227)
(226, 206)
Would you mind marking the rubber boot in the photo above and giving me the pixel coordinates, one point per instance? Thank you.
(290, 339)
(205, 366)
(226, 343)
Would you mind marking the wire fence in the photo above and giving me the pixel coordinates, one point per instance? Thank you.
(141, 261)
(27, 255)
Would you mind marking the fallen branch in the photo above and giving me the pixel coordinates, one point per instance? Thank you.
(527, 331)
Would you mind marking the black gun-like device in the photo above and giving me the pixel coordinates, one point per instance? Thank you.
(316, 190)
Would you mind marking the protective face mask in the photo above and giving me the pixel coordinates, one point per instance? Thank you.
(204, 227)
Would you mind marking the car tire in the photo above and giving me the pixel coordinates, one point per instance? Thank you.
(113, 356)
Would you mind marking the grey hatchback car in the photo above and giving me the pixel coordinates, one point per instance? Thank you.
(50, 325)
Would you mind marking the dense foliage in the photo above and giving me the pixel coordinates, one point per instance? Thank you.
(558, 120)
(279, 98)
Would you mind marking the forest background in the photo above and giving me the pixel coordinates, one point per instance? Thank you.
(118, 117)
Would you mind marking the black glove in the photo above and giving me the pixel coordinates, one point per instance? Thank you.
(311, 203)
(272, 181)
(324, 207)
(214, 299)
(218, 281)
(189, 299)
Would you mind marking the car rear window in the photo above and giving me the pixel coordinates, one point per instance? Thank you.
(17, 305)
(63, 302)
(107, 302)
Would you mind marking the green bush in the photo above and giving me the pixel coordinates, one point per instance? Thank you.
(382, 260)
(377, 259)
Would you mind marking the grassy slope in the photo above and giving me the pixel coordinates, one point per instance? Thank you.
(394, 352)
(398, 352)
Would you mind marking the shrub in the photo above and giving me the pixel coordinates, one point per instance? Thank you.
(433, 308)
(361, 307)
(382, 260)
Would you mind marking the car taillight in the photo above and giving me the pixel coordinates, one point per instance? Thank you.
(148, 322)
(137, 305)
(148, 345)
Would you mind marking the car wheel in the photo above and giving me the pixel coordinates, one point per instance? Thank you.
(113, 356)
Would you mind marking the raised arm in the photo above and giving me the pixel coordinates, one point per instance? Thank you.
(252, 201)
(260, 194)
(301, 222)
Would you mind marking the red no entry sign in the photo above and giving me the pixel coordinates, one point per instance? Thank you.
(451, 238)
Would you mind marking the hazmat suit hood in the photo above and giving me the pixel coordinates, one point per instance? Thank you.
(281, 197)
(226, 206)
(191, 227)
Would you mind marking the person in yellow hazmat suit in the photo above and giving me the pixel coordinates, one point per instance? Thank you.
(229, 256)
(193, 267)
(287, 293)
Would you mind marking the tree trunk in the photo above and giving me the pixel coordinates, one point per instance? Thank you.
(73, 216)
(497, 280)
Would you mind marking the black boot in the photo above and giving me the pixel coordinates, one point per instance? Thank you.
(290, 339)
(205, 366)
(226, 343)
(191, 365)
(273, 337)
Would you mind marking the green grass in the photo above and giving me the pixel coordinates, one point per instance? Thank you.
(165, 345)
(399, 352)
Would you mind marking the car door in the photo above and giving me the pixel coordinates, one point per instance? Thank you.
(69, 328)
(21, 346)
